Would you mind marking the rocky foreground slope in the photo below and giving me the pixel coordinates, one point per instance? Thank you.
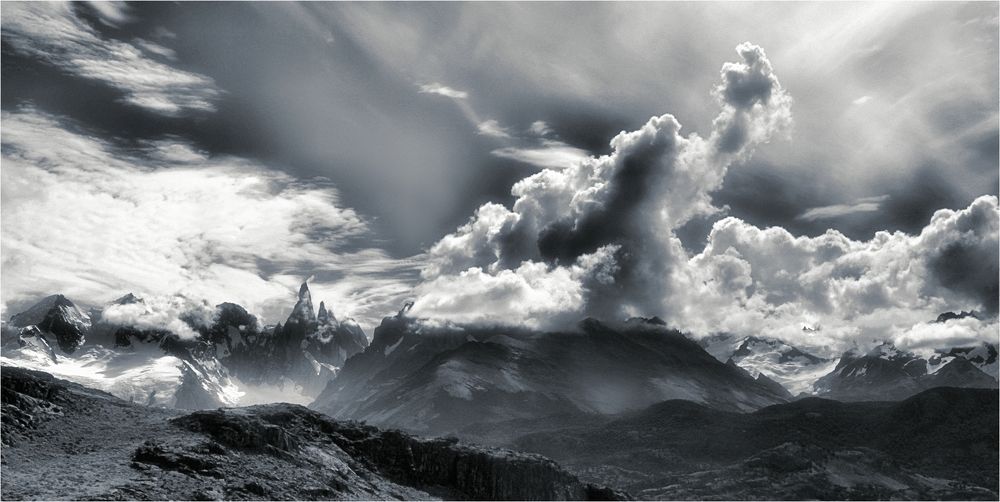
(62, 441)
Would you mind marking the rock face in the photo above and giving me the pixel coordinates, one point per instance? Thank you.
(887, 373)
(269, 452)
(462, 471)
(441, 380)
(939, 444)
(56, 317)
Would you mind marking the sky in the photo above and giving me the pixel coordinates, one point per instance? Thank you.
(744, 167)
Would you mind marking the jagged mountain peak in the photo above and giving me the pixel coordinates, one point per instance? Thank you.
(59, 316)
(127, 299)
(303, 311)
(37, 312)
(325, 315)
(887, 350)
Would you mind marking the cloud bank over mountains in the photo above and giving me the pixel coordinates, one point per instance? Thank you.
(599, 238)
(159, 203)
(94, 220)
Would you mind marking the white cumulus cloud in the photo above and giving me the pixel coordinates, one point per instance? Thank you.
(622, 206)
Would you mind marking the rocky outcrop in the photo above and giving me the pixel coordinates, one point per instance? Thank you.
(97, 447)
(443, 466)
(28, 397)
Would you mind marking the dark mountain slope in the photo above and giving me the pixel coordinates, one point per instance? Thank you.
(941, 443)
(85, 444)
(440, 380)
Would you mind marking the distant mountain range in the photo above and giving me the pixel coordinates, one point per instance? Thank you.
(887, 373)
(445, 378)
(632, 405)
(881, 373)
(228, 355)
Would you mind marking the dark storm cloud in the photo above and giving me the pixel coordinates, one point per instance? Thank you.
(970, 265)
(609, 220)
(971, 271)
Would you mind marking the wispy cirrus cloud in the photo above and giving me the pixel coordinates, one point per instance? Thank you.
(493, 128)
(548, 154)
(156, 49)
(863, 205)
(93, 220)
(862, 100)
(443, 90)
(537, 145)
(54, 33)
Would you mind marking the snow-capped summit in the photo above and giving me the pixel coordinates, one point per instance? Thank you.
(888, 351)
(793, 368)
(982, 356)
(32, 338)
(123, 357)
(59, 317)
(886, 373)
(127, 299)
(188, 362)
